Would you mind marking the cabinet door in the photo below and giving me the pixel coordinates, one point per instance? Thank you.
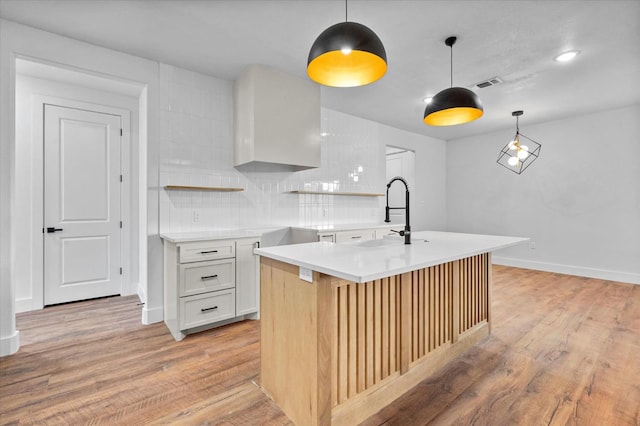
(247, 277)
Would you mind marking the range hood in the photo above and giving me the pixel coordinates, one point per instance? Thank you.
(276, 121)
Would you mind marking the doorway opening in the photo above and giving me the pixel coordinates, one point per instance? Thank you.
(76, 138)
(400, 162)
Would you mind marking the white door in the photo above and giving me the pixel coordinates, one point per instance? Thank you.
(400, 164)
(81, 204)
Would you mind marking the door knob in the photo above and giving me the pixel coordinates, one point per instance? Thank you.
(52, 230)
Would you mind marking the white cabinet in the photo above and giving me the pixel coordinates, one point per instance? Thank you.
(248, 277)
(381, 232)
(276, 119)
(327, 236)
(351, 236)
(301, 235)
(202, 277)
(209, 283)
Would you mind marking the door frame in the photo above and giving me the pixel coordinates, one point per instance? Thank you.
(37, 244)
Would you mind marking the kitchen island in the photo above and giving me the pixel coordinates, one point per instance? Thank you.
(348, 328)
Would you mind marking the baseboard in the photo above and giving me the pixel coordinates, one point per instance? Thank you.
(151, 316)
(10, 345)
(581, 271)
(132, 288)
(25, 305)
(142, 293)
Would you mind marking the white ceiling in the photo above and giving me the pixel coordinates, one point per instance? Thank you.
(513, 40)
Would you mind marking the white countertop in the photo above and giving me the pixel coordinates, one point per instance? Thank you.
(220, 234)
(347, 226)
(374, 259)
(223, 234)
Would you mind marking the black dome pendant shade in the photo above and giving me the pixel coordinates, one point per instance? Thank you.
(347, 54)
(455, 105)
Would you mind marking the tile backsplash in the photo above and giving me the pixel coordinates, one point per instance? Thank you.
(197, 149)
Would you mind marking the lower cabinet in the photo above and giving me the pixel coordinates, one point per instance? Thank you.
(357, 235)
(352, 236)
(207, 308)
(381, 232)
(248, 277)
(210, 283)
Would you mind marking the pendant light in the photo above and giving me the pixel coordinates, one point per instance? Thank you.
(455, 105)
(520, 152)
(347, 54)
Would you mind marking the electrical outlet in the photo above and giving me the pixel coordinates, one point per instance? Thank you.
(533, 245)
(306, 274)
(196, 216)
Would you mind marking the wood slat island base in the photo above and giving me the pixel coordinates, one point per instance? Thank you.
(334, 352)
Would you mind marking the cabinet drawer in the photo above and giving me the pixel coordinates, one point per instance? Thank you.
(347, 236)
(201, 277)
(327, 237)
(207, 308)
(206, 250)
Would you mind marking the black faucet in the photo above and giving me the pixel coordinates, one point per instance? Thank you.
(407, 227)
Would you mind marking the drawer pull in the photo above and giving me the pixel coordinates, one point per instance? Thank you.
(210, 251)
(356, 237)
(209, 277)
(208, 309)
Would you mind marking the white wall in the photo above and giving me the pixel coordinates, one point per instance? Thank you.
(579, 202)
(197, 149)
(28, 181)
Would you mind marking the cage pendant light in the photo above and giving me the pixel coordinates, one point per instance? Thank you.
(347, 54)
(455, 105)
(520, 152)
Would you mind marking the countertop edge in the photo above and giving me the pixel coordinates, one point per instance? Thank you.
(185, 237)
(267, 252)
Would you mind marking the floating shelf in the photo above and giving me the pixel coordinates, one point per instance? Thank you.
(202, 188)
(357, 194)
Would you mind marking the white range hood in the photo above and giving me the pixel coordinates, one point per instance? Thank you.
(276, 120)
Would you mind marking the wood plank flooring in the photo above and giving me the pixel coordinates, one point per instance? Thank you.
(564, 350)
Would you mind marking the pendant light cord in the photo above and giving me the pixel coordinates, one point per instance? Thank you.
(345, 11)
(451, 67)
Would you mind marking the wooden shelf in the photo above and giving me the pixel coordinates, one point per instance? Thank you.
(357, 194)
(201, 188)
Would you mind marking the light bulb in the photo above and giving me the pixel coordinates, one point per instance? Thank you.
(513, 145)
(346, 50)
(566, 56)
(513, 161)
(523, 152)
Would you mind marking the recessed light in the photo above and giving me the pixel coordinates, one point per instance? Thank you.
(427, 100)
(566, 56)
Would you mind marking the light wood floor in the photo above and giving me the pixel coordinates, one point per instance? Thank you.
(564, 350)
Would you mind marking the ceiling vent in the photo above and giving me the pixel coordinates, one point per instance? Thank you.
(490, 82)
